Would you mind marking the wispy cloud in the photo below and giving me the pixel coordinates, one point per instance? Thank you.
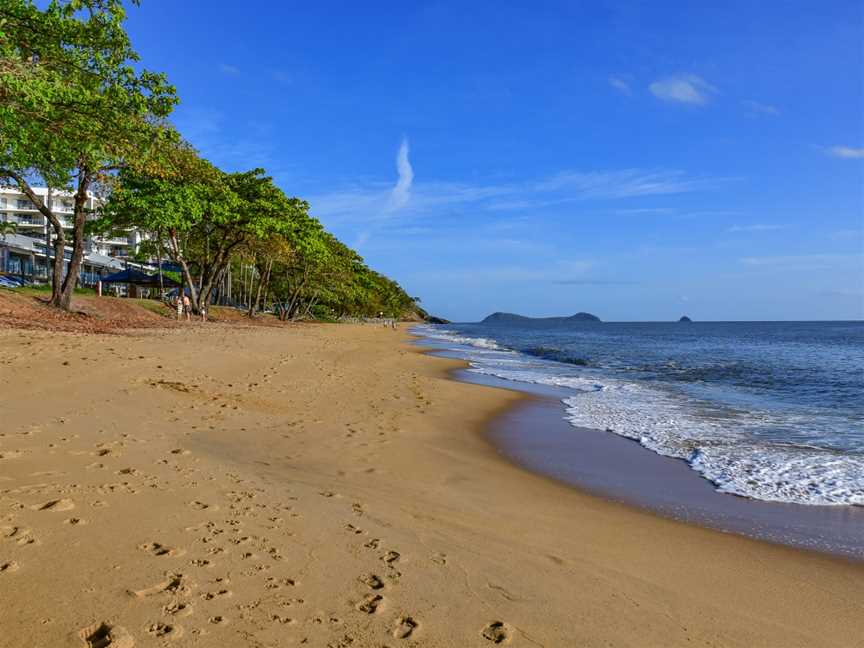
(513, 273)
(758, 227)
(843, 292)
(594, 282)
(376, 201)
(232, 146)
(621, 184)
(621, 85)
(685, 88)
(646, 211)
(761, 108)
(802, 261)
(847, 234)
(847, 152)
(401, 193)
(230, 70)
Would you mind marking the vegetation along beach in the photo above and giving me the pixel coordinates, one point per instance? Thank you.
(228, 419)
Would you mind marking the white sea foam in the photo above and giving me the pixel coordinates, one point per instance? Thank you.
(717, 448)
(719, 444)
(452, 336)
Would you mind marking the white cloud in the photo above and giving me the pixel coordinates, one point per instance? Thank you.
(620, 184)
(401, 193)
(847, 152)
(621, 85)
(847, 234)
(230, 70)
(758, 227)
(372, 202)
(762, 108)
(686, 88)
(803, 261)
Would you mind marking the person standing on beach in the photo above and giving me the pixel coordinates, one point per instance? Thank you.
(178, 301)
(187, 307)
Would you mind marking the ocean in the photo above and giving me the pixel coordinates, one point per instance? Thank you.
(772, 411)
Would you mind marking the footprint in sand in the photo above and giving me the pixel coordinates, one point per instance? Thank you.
(103, 635)
(173, 584)
(405, 627)
(391, 557)
(178, 608)
(158, 549)
(370, 603)
(160, 629)
(55, 505)
(496, 632)
(8, 567)
(209, 596)
(75, 521)
(372, 581)
(201, 506)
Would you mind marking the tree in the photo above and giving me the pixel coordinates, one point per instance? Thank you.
(74, 110)
(205, 216)
(7, 228)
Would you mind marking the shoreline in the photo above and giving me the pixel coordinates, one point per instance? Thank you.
(555, 450)
(330, 485)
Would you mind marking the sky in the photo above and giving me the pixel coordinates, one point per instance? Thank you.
(636, 160)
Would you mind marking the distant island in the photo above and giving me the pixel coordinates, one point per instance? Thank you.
(512, 318)
(684, 318)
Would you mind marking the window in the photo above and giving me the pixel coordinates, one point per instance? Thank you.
(24, 204)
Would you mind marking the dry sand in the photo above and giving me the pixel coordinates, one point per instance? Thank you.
(328, 486)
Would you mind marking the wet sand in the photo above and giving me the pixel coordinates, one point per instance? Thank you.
(331, 486)
(536, 435)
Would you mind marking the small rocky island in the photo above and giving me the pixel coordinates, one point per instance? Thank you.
(685, 319)
(512, 318)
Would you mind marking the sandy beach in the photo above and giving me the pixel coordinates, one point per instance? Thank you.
(330, 485)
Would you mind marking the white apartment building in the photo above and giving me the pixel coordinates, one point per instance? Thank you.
(16, 207)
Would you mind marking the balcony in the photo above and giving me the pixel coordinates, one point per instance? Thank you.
(26, 221)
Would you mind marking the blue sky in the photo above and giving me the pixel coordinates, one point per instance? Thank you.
(638, 160)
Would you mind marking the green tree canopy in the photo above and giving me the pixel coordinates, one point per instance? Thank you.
(74, 109)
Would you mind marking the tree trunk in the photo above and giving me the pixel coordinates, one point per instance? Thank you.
(262, 284)
(59, 242)
(184, 267)
(159, 261)
(74, 269)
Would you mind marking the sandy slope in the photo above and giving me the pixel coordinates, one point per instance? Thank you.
(326, 486)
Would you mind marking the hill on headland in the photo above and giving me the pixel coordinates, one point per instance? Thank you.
(512, 318)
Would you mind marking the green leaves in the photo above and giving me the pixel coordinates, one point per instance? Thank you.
(71, 96)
